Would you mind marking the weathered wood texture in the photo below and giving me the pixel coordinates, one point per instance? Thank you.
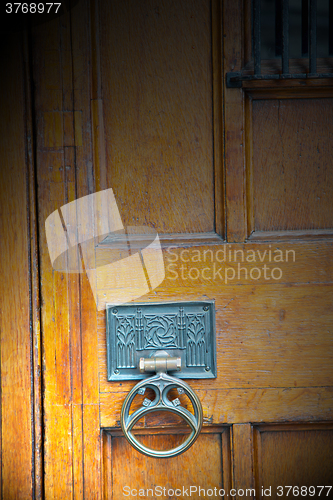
(53, 108)
(242, 458)
(273, 66)
(156, 65)
(87, 181)
(273, 333)
(207, 465)
(218, 124)
(35, 326)
(234, 123)
(138, 107)
(64, 171)
(296, 456)
(227, 406)
(292, 173)
(277, 370)
(17, 451)
(261, 318)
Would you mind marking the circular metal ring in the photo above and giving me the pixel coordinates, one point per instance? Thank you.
(161, 384)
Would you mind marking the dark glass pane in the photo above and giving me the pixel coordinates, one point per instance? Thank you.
(270, 38)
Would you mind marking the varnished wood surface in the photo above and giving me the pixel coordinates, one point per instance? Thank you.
(36, 358)
(64, 170)
(292, 174)
(280, 326)
(296, 66)
(307, 234)
(290, 93)
(293, 456)
(228, 406)
(157, 95)
(243, 458)
(273, 336)
(85, 359)
(300, 262)
(207, 465)
(17, 431)
(234, 123)
(16, 390)
(289, 85)
(218, 124)
(52, 78)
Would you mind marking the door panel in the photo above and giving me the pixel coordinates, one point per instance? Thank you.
(133, 98)
(133, 471)
(292, 174)
(157, 84)
(298, 456)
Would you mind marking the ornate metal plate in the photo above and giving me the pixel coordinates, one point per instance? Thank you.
(185, 329)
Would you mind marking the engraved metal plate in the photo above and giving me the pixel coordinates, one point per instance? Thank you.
(185, 329)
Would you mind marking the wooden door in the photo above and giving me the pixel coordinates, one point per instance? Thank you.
(238, 184)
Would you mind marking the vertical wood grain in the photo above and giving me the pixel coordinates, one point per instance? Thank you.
(203, 465)
(52, 61)
(17, 452)
(242, 458)
(292, 172)
(107, 465)
(36, 358)
(65, 173)
(226, 458)
(156, 66)
(90, 177)
(97, 112)
(296, 455)
(273, 353)
(249, 165)
(234, 145)
(218, 118)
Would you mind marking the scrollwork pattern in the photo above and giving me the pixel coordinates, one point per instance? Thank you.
(160, 332)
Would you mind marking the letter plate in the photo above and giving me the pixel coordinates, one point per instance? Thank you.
(180, 329)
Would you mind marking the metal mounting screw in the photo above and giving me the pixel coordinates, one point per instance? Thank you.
(116, 371)
(115, 311)
(207, 368)
(206, 308)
